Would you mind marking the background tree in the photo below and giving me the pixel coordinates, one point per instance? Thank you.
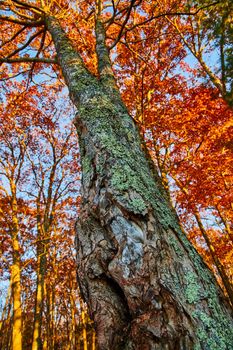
(43, 163)
(208, 33)
(14, 142)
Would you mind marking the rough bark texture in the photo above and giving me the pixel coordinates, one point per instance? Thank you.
(145, 285)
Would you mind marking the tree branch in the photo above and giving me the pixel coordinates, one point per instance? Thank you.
(123, 24)
(37, 55)
(15, 75)
(23, 23)
(28, 6)
(13, 37)
(26, 44)
(165, 14)
(29, 60)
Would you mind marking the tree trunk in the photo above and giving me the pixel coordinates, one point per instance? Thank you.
(51, 315)
(37, 340)
(93, 341)
(84, 325)
(40, 288)
(72, 329)
(43, 232)
(16, 275)
(229, 230)
(216, 261)
(145, 285)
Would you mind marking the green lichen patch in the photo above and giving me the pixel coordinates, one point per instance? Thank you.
(175, 244)
(138, 205)
(86, 165)
(192, 287)
(214, 333)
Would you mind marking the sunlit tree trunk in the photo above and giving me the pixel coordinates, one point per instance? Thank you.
(84, 325)
(145, 285)
(215, 259)
(226, 224)
(51, 287)
(37, 341)
(46, 334)
(15, 274)
(44, 223)
(41, 269)
(50, 316)
(72, 338)
(93, 341)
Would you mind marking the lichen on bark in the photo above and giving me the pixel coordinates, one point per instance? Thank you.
(179, 280)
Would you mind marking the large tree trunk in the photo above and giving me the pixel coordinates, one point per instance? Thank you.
(145, 285)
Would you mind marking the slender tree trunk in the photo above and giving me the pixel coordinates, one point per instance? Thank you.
(228, 228)
(93, 341)
(16, 291)
(50, 325)
(220, 268)
(40, 286)
(37, 340)
(84, 325)
(44, 224)
(72, 337)
(46, 334)
(43, 229)
(145, 285)
(15, 275)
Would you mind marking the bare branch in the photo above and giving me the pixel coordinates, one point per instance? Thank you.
(25, 45)
(165, 14)
(29, 60)
(124, 24)
(37, 55)
(13, 37)
(23, 23)
(28, 6)
(15, 75)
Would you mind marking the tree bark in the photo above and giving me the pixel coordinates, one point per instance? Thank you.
(145, 285)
